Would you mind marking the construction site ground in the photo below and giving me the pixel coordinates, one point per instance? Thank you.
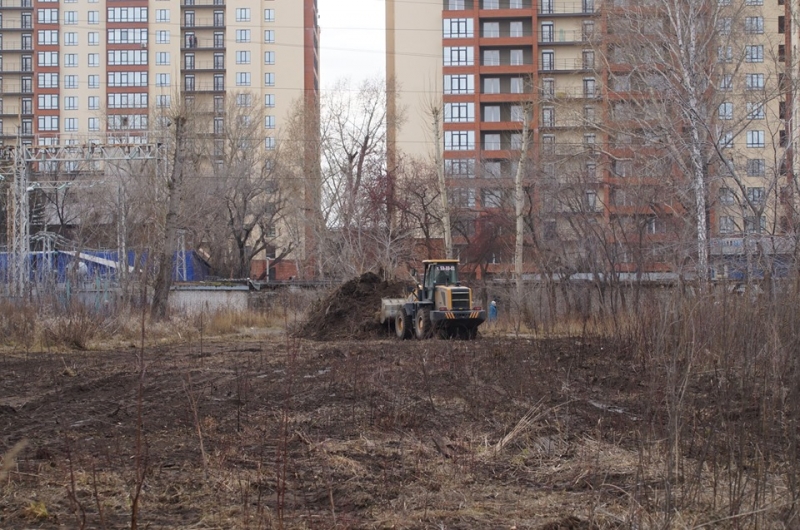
(281, 432)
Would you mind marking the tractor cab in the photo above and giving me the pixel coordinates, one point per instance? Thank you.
(439, 273)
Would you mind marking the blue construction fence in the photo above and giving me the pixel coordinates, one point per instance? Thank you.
(90, 265)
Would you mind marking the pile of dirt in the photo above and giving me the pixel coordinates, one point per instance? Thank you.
(350, 312)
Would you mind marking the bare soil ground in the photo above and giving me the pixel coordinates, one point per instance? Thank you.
(492, 433)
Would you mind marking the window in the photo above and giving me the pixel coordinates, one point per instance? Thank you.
(459, 84)
(757, 3)
(48, 123)
(755, 139)
(491, 85)
(725, 111)
(517, 85)
(781, 24)
(162, 15)
(754, 53)
(458, 28)
(459, 112)
(459, 140)
(754, 81)
(127, 78)
(94, 102)
(94, 17)
(133, 100)
(548, 87)
(269, 79)
(460, 167)
(269, 122)
(94, 124)
(70, 38)
(47, 102)
(70, 60)
(726, 82)
(726, 140)
(126, 57)
(94, 38)
(162, 36)
(127, 36)
(726, 196)
(515, 29)
(47, 37)
(47, 16)
(70, 81)
(71, 103)
(71, 124)
(548, 60)
(162, 79)
(491, 4)
(47, 59)
(269, 15)
(94, 81)
(129, 14)
(491, 198)
(492, 169)
(517, 113)
(724, 25)
(269, 57)
(455, 5)
(94, 59)
(491, 30)
(753, 225)
(269, 142)
(70, 18)
(242, 35)
(726, 224)
(725, 54)
(162, 101)
(491, 57)
(242, 57)
(269, 100)
(242, 78)
(755, 195)
(162, 58)
(517, 57)
(491, 113)
(754, 25)
(459, 56)
(756, 167)
(242, 14)
(242, 100)
(755, 111)
(548, 117)
(491, 142)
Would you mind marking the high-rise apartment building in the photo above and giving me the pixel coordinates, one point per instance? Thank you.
(77, 69)
(610, 130)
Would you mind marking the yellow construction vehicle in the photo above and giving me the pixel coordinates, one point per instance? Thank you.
(439, 305)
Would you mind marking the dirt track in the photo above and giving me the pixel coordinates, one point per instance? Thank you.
(369, 434)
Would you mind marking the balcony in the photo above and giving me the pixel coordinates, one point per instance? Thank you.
(193, 43)
(566, 65)
(204, 22)
(573, 36)
(201, 66)
(554, 8)
(570, 93)
(16, 4)
(195, 88)
(203, 3)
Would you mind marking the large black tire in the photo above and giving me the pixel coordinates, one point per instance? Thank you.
(402, 325)
(423, 325)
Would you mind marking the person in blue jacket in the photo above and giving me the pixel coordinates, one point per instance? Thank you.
(493, 311)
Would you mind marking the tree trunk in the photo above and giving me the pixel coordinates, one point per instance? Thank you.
(163, 282)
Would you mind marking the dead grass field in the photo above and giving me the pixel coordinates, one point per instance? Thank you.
(280, 432)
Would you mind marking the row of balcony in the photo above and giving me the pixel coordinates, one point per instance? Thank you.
(544, 7)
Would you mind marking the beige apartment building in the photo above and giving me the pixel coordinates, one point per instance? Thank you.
(101, 71)
(593, 148)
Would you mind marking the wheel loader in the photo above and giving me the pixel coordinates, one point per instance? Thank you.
(439, 305)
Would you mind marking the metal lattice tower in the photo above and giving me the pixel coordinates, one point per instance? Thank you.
(28, 158)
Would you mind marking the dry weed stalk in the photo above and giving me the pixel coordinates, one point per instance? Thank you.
(532, 416)
(10, 457)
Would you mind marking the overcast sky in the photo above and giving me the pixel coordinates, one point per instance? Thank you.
(352, 39)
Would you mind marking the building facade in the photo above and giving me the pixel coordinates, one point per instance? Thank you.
(588, 79)
(77, 69)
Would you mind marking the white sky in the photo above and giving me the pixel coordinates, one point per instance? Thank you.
(352, 40)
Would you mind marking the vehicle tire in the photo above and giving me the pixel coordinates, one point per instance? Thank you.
(423, 324)
(402, 325)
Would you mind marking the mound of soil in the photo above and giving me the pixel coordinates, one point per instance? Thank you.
(351, 311)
